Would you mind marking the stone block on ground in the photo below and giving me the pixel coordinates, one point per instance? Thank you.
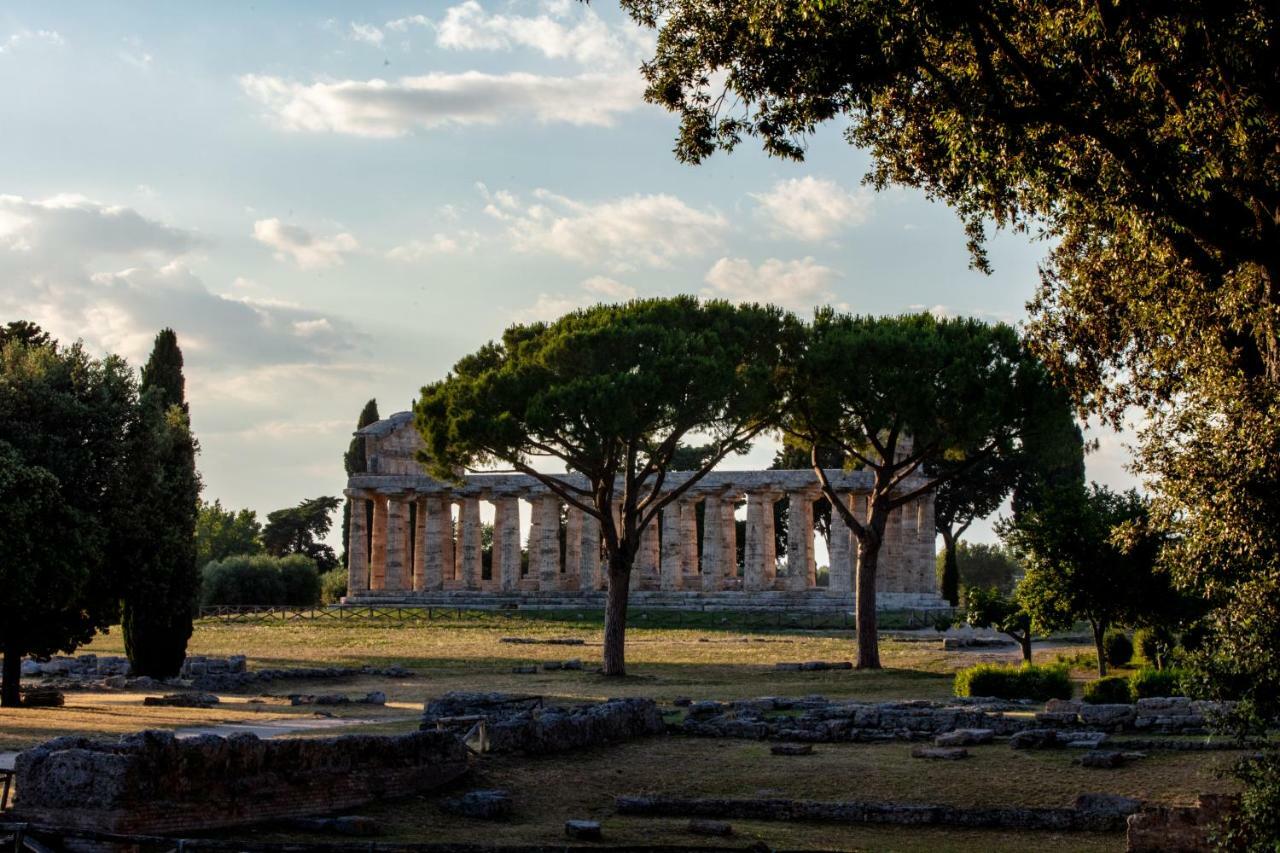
(43, 697)
(1102, 758)
(484, 804)
(1035, 739)
(377, 697)
(583, 830)
(702, 826)
(525, 669)
(183, 700)
(1082, 739)
(1107, 716)
(792, 749)
(965, 737)
(945, 753)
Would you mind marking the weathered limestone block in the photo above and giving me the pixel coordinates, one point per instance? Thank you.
(1107, 716)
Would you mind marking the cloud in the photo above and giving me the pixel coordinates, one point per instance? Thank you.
(51, 227)
(609, 288)
(461, 242)
(401, 25)
(563, 31)
(367, 33)
(636, 230)
(811, 209)
(381, 109)
(798, 284)
(25, 36)
(300, 246)
(548, 307)
(134, 54)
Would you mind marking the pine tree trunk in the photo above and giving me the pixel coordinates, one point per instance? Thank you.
(1025, 641)
(950, 570)
(1098, 630)
(12, 675)
(615, 617)
(864, 607)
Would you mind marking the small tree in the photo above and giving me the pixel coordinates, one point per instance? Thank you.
(63, 422)
(354, 462)
(895, 396)
(221, 533)
(1090, 554)
(299, 529)
(610, 392)
(991, 608)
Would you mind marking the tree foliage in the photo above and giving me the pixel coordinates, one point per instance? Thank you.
(221, 533)
(897, 396)
(982, 566)
(65, 419)
(610, 393)
(992, 608)
(157, 533)
(300, 529)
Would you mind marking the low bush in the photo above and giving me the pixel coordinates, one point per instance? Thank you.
(333, 585)
(1040, 683)
(1148, 682)
(1111, 690)
(1117, 647)
(1155, 645)
(260, 579)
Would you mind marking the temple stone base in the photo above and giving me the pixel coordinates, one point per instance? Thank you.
(807, 600)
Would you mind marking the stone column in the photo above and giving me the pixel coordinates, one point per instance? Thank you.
(573, 548)
(889, 564)
(760, 555)
(470, 550)
(358, 546)
(506, 543)
(420, 545)
(729, 529)
(645, 572)
(589, 578)
(672, 545)
(840, 574)
(395, 557)
(378, 562)
(437, 544)
(927, 536)
(548, 555)
(712, 543)
(799, 540)
(689, 542)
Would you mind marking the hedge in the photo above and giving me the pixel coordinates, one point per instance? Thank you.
(1111, 690)
(1150, 682)
(1040, 683)
(260, 579)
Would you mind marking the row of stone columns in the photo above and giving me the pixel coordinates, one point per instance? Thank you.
(412, 545)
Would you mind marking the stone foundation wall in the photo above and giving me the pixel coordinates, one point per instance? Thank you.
(152, 782)
(524, 724)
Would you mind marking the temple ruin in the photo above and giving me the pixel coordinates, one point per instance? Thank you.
(422, 540)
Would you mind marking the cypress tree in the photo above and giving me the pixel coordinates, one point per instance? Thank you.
(354, 463)
(159, 532)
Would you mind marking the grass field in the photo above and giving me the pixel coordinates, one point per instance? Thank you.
(703, 662)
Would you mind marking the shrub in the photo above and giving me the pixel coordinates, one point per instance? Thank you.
(1013, 682)
(1114, 689)
(333, 585)
(260, 579)
(1148, 682)
(1154, 645)
(1117, 647)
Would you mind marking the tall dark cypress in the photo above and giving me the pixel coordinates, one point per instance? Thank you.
(160, 595)
(354, 463)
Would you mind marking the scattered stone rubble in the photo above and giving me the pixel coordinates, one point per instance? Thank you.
(516, 723)
(377, 697)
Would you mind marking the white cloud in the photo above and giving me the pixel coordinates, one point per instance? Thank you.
(134, 54)
(564, 31)
(549, 306)
(367, 33)
(48, 228)
(798, 284)
(401, 25)
(648, 230)
(461, 242)
(811, 209)
(24, 36)
(380, 108)
(300, 246)
(609, 288)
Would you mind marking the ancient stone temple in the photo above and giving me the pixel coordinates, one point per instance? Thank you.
(418, 540)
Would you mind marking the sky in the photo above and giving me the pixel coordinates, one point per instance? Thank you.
(332, 202)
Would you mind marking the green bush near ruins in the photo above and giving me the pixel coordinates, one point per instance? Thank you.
(260, 579)
(1109, 690)
(1040, 683)
(1117, 647)
(1148, 682)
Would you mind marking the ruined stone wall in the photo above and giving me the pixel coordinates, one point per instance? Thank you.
(152, 782)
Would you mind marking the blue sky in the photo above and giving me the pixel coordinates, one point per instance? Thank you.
(331, 202)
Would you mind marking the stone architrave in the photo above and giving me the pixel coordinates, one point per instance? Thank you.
(471, 555)
(689, 543)
(760, 552)
(420, 545)
(378, 561)
(672, 545)
(840, 573)
(548, 543)
(358, 545)
(506, 543)
(729, 529)
(591, 568)
(799, 540)
(397, 522)
(573, 548)
(438, 544)
(712, 543)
